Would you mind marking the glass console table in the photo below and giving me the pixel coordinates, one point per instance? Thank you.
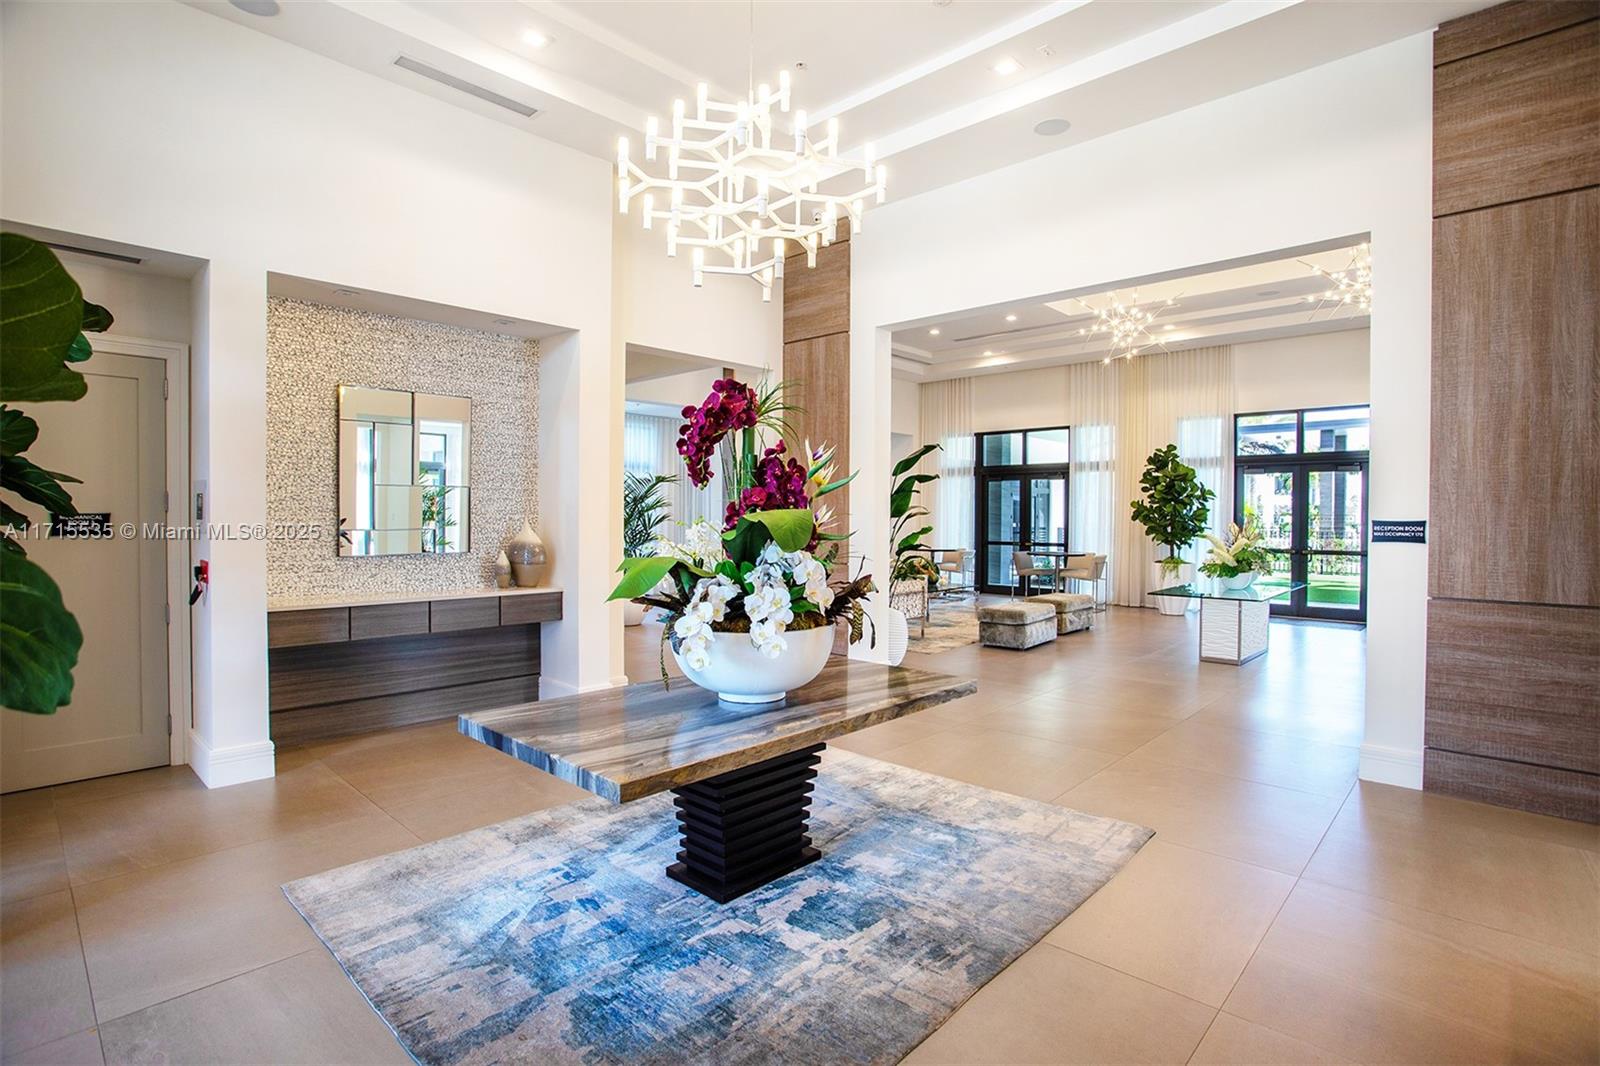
(1233, 622)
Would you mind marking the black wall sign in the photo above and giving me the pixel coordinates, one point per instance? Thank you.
(81, 526)
(1414, 532)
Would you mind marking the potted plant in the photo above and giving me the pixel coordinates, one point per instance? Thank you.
(1173, 512)
(912, 571)
(1237, 560)
(750, 611)
(644, 508)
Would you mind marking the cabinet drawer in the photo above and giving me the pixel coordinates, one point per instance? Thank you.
(323, 625)
(388, 620)
(520, 610)
(479, 612)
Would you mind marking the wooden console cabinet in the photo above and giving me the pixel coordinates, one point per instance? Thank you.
(340, 668)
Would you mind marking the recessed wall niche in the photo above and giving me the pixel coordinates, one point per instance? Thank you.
(312, 349)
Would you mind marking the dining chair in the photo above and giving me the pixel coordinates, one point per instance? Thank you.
(1027, 569)
(953, 563)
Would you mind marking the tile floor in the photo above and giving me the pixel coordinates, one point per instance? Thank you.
(1283, 913)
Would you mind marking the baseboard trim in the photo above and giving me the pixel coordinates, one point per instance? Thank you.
(234, 765)
(1391, 766)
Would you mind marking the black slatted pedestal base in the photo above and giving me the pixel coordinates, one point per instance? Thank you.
(746, 827)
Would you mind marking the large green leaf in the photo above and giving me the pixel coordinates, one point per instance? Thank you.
(39, 639)
(900, 498)
(791, 527)
(96, 319)
(79, 350)
(17, 431)
(911, 460)
(640, 575)
(37, 484)
(41, 313)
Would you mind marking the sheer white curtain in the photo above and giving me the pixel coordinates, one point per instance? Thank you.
(650, 446)
(946, 419)
(1183, 398)
(1093, 410)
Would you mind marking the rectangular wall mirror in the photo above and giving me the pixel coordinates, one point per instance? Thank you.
(404, 478)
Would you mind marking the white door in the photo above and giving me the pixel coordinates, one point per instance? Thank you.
(114, 438)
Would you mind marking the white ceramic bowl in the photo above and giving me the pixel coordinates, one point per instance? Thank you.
(739, 673)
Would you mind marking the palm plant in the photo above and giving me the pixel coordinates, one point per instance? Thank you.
(644, 508)
(910, 560)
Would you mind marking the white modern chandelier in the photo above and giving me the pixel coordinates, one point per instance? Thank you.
(1350, 288)
(1127, 326)
(738, 189)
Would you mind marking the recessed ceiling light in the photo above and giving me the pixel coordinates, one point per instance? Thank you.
(1169, 325)
(1005, 66)
(934, 332)
(1052, 127)
(1011, 318)
(534, 38)
(264, 8)
(988, 353)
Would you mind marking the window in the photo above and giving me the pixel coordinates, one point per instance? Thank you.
(1270, 434)
(1336, 429)
(1311, 431)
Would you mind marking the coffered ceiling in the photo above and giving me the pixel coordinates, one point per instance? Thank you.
(1223, 305)
(945, 88)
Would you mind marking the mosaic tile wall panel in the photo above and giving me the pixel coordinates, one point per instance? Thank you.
(311, 351)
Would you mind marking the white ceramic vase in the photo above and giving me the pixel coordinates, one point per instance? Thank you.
(502, 572)
(526, 552)
(1161, 578)
(739, 673)
(633, 613)
(1239, 581)
(896, 636)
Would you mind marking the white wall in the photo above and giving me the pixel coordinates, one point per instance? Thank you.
(1317, 370)
(145, 305)
(905, 408)
(678, 390)
(230, 146)
(1232, 178)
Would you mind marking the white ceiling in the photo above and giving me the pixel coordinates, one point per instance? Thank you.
(1227, 304)
(915, 76)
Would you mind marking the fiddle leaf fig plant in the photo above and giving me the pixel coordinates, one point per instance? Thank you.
(43, 316)
(1175, 504)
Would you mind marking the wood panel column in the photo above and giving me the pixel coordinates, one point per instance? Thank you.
(1513, 671)
(816, 360)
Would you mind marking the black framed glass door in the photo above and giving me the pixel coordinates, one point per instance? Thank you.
(1022, 501)
(1314, 514)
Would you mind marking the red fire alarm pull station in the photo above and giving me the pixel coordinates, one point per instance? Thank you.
(202, 581)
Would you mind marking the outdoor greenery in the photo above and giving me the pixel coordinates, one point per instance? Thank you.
(644, 508)
(910, 556)
(43, 316)
(1175, 505)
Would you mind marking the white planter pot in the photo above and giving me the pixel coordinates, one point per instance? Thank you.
(1240, 581)
(739, 673)
(1161, 578)
(896, 636)
(633, 613)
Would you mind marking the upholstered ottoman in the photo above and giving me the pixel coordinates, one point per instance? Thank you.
(1074, 610)
(1016, 625)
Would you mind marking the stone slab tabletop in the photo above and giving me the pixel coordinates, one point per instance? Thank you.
(628, 743)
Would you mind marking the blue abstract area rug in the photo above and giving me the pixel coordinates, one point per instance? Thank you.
(557, 937)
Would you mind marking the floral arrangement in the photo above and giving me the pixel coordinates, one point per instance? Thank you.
(759, 575)
(1242, 553)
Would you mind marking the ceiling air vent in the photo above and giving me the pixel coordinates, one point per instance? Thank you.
(416, 66)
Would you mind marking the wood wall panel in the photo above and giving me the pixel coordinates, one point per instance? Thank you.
(820, 372)
(816, 302)
(1518, 121)
(288, 629)
(1516, 403)
(374, 620)
(1515, 681)
(347, 718)
(520, 610)
(1504, 24)
(330, 673)
(1541, 789)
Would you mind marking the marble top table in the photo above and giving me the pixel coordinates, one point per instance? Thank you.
(741, 776)
(1233, 622)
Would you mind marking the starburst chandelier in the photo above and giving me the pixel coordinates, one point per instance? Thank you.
(1348, 289)
(738, 189)
(1126, 325)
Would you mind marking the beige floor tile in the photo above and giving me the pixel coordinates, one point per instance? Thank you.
(32, 862)
(46, 991)
(1235, 1042)
(1245, 820)
(881, 738)
(146, 941)
(300, 1010)
(162, 778)
(1434, 810)
(1450, 864)
(1116, 731)
(1270, 758)
(106, 837)
(1291, 715)
(458, 812)
(31, 803)
(1005, 762)
(79, 1049)
(1378, 982)
(1182, 919)
(1051, 1006)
